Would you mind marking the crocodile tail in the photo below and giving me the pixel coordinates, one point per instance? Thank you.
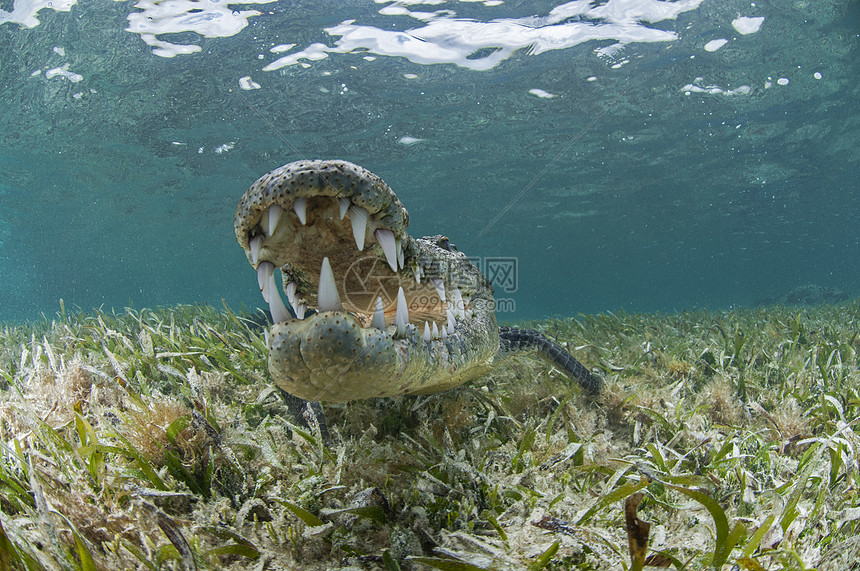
(513, 339)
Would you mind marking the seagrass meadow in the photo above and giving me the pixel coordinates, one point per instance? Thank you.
(153, 439)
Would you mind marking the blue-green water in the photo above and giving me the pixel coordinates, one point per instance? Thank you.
(643, 154)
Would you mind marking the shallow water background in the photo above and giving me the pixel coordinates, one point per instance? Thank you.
(630, 154)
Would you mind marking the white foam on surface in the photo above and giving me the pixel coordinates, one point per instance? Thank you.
(746, 25)
(413, 2)
(282, 48)
(714, 45)
(64, 72)
(541, 93)
(409, 140)
(247, 83)
(209, 19)
(444, 38)
(24, 12)
(610, 51)
(698, 87)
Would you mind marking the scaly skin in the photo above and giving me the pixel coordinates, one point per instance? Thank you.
(339, 355)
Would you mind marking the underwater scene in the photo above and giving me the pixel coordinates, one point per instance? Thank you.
(429, 284)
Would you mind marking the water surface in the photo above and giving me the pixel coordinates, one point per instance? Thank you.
(636, 154)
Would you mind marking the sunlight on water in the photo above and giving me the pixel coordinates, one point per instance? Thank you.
(444, 38)
(215, 20)
(25, 12)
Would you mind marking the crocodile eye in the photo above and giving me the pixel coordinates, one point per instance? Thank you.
(444, 243)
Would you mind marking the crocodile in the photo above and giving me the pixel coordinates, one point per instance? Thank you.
(373, 312)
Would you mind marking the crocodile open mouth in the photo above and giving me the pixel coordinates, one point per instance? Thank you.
(392, 313)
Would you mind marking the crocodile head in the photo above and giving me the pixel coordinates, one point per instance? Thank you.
(393, 315)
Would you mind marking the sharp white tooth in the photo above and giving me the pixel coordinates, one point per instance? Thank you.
(358, 217)
(327, 297)
(300, 310)
(444, 332)
(399, 252)
(256, 244)
(266, 335)
(378, 320)
(276, 305)
(457, 300)
(417, 272)
(300, 206)
(265, 276)
(386, 240)
(274, 216)
(291, 292)
(434, 333)
(426, 332)
(296, 302)
(269, 289)
(401, 315)
(440, 287)
(344, 206)
(451, 321)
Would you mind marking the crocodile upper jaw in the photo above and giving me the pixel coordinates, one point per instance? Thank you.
(385, 315)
